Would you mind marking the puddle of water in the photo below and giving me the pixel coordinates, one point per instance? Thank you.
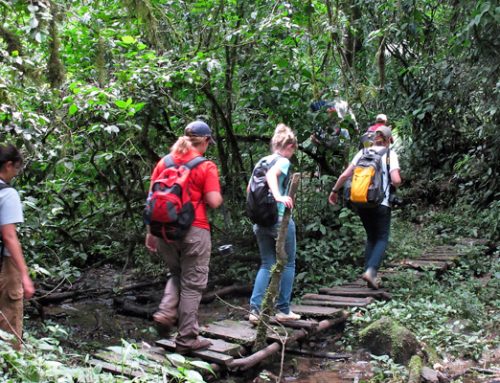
(93, 325)
(322, 377)
(319, 371)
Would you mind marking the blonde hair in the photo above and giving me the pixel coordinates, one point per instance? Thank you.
(185, 143)
(283, 136)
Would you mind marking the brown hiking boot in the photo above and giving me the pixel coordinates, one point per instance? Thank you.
(199, 344)
(370, 276)
(163, 324)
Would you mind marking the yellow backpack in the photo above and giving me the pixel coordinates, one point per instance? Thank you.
(365, 188)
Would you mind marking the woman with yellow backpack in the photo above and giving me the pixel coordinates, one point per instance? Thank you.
(369, 179)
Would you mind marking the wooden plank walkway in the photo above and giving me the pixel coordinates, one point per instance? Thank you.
(233, 340)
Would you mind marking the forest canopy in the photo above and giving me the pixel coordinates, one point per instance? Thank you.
(95, 91)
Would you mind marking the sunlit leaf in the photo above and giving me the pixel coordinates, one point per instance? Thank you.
(72, 109)
(128, 40)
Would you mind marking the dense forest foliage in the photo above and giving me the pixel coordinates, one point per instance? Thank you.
(95, 92)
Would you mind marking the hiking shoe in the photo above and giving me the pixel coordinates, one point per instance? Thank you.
(198, 345)
(282, 317)
(370, 276)
(163, 324)
(254, 317)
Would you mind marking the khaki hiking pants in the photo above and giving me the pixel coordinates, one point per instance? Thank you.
(11, 301)
(188, 261)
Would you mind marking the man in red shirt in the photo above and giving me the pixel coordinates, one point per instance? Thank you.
(188, 258)
(380, 120)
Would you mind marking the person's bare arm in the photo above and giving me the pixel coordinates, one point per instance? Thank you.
(213, 199)
(272, 180)
(396, 177)
(332, 198)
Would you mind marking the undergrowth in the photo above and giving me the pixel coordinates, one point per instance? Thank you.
(455, 314)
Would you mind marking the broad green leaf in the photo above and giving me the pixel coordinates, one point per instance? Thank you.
(122, 104)
(128, 40)
(72, 109)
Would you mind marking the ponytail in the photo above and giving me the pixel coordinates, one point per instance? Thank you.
(185, 143)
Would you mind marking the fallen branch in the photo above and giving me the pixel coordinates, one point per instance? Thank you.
(126, 307)
(319, 354)
(225, 291)
(254, 359)
(52, 297)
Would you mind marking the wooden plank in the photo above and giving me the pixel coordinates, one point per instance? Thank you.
(356, 283)
(474, 241)
(134, 364)
(167, 344)
(333, 304)
(442, 249)
(338, 298)
(421, 264)
(316, 311)
(232, 331)
(218, 346)
(309, 324)
(223, 347)
(280, 334)
(214, 357)
(110, 367)
(439, 257)
(355, 292)
(207, 355)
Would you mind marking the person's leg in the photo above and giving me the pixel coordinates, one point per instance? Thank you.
(195, 259)
(267, 249)
(381, 232)
(369, 223)
(288, 273)
(167, 311)
(11, 302)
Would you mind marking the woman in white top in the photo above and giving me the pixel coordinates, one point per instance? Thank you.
(376, 221)
(15, 281)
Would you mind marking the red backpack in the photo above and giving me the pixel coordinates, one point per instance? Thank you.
(169, 211)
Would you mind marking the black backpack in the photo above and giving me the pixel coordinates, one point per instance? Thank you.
(261, 206)
(2, 247)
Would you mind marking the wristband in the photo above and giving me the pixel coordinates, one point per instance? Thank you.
(335, 191)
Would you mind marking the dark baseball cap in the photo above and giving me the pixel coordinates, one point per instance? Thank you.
(199, 129)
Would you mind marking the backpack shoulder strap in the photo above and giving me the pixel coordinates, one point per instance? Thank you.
(168, 160)
(274, 160)
(191, 164)
(266, 163)
(384, 151)
(388, 164)
(4, 186)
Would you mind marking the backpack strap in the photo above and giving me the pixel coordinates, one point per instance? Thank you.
(3, 185)
(191, 164)
(271, 164)
(388, 164)
(169, 162)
